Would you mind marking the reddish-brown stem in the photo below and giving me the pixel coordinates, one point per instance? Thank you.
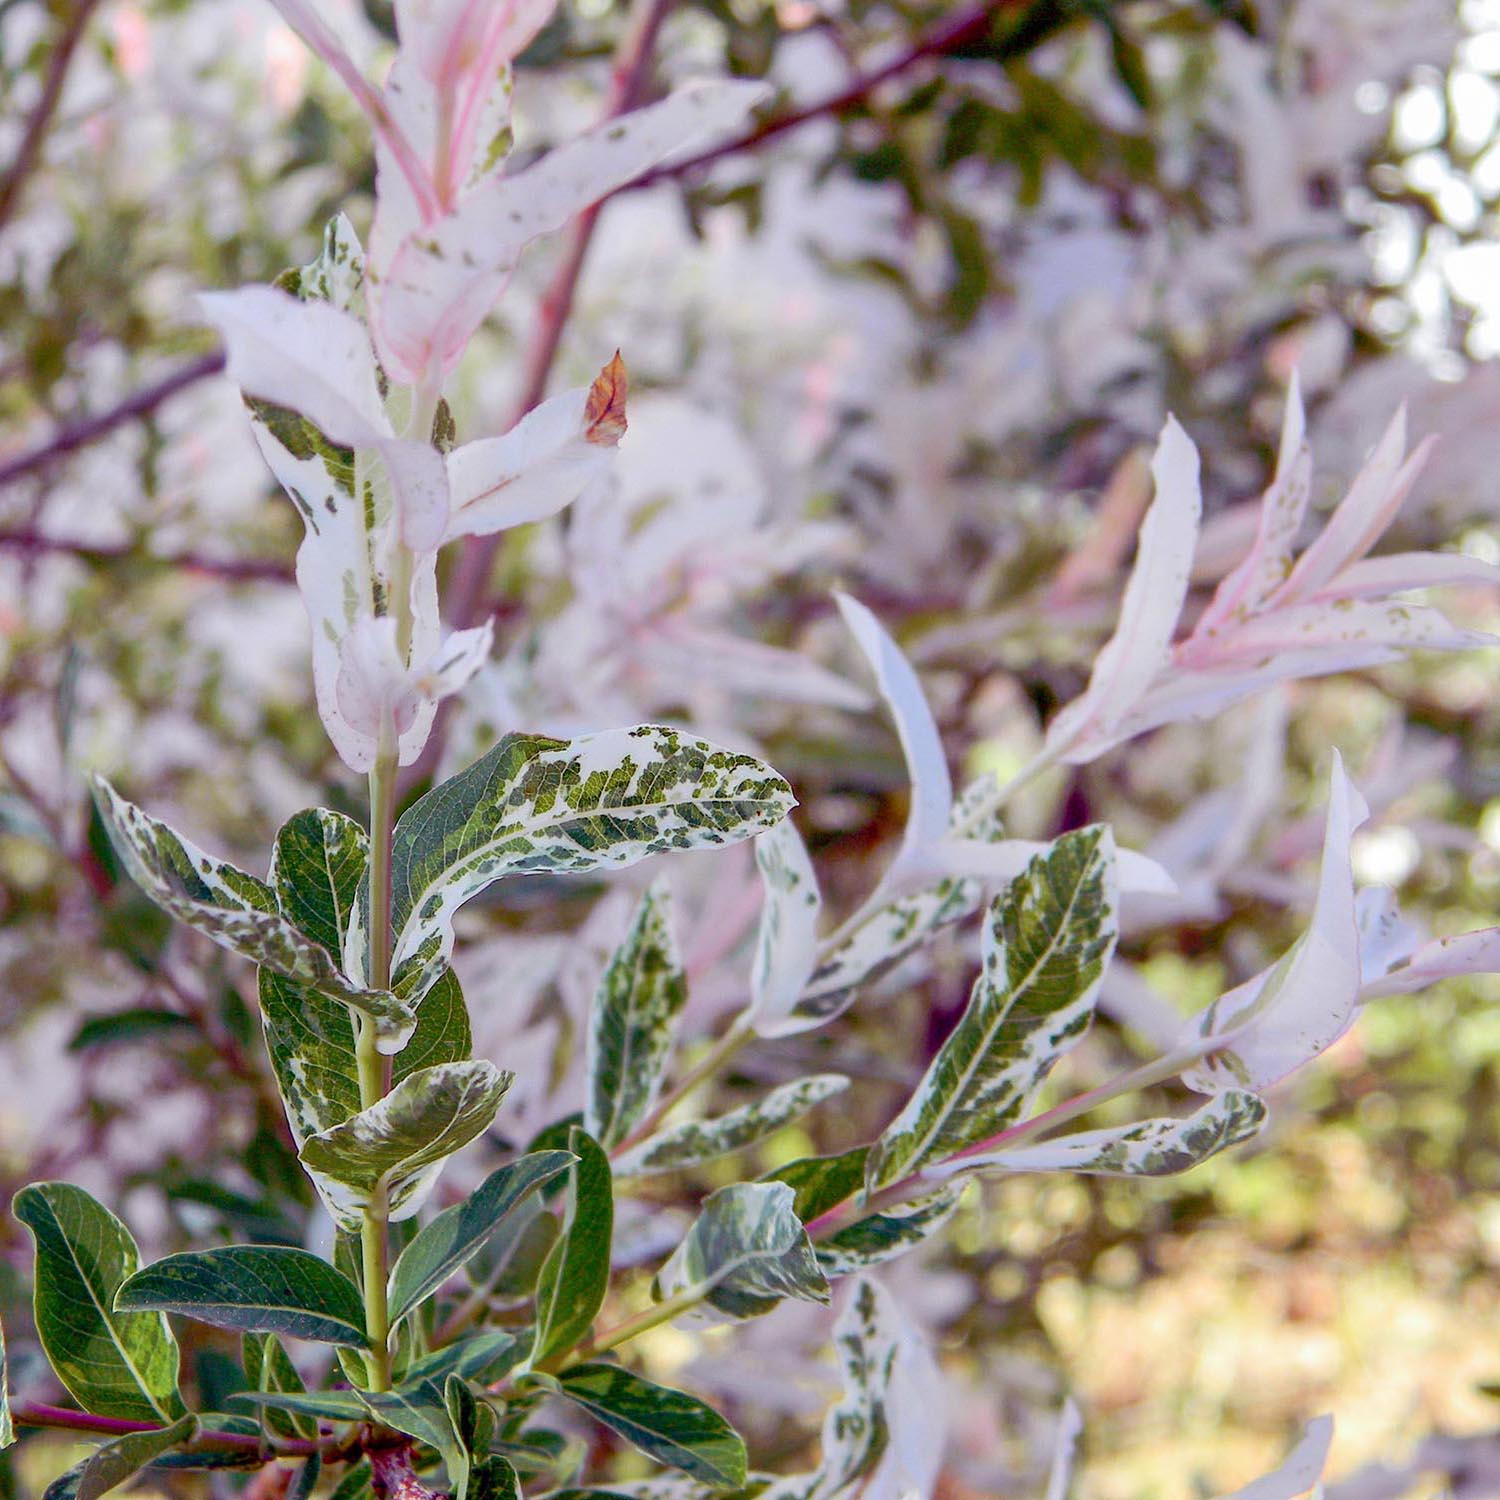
(28, 154)
(91, 429)
(37, 1414)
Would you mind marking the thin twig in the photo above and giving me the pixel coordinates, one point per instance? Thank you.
(239, 569)
(29, 153)
(90, 429)
(36, 1414)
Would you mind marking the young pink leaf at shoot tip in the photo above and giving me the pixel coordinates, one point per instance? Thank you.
(1298, 1008)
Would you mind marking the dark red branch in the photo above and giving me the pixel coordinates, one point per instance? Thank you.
(36, 1414)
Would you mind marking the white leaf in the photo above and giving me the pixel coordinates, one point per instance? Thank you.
(1301, 1474)
(1154, 596)
(1297, 1009)
(786, 946)
(1064, 1451)
(1443, 958)
(1001, 862)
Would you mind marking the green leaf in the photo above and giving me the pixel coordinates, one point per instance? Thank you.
(878, 944)
(1047, 940)
(420, 1411)
(697, 1141)
(460, 1232)
(7, 1426)
(397, 1146)
(1149, 1148)
(667, 1425)
(305, 1480)
(131, 1025)
(482, 1477)
(318, 867)
(252, 1289)
(331, 1406)
(883, 1236)
(821, 1182)
(237, 911)
(357, 1484)
(114, 1364)
(745, 1252)
(575, 1276)
(630, 1029)
(119, 1461)
(483, 1356)
(535, 805)
(270, 1370)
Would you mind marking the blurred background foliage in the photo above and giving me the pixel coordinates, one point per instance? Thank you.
(911, 338)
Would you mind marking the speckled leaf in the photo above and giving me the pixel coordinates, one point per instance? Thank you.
(119, 1461)
(746, 1251)
(116, 1364)
(1047, 940)
(236, 910)
(252, 1289)
(1149, 1148)
(640, 996)
(575, 1276)
(317, 869)
(668, 1425)
(7, 1426)
(398, 1145)
(460, 1232)
(786, 944)
(542, 805)
(883, 1236)
(697, 1141)
(822, 1182)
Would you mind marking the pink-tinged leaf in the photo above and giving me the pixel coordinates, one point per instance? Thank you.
(1443, 958)
(1269, 561)
(1362, 516)
(1298, 1008)
(419, 484)
(1386, 938)
(786, 946)
(676, 649)
(542, 464)
(1372, 577)
(1153, 602)
(1302, 1474)
(438, 283)
(1000, 862)
(309, 356)
(926, 764)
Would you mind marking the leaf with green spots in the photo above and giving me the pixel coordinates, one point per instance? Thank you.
(1047, 940)
(237, 910)
(7, 1426)
(575, 1276)
(252, 1289)
(1149, 1148)
(396, 1148)
(536, 805)
(665, 1424)
(880, 1237)
(317, 869)
(786, 943)
(821, 1182)
(460, 1232)
(640, 996)
(745, 1252)
(116, 1364)
(696, 1141)
(119, 1461)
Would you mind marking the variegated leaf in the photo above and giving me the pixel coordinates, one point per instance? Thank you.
(117, 1462)
(397, 1146)
(745, 1252)
(7, 1425)
(786, 946)
(317, 869)
(534, 804)
(883, 1236)
(1046, 942)
(821, 1183)
(238, 911)
(696, 1141)
(640, 996)
(1149, 1148)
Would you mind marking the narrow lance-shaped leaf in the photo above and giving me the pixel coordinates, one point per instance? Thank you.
(786, 945)
(533, 804)
(1149, 1148)
(640, 996)
(820, 1183)
(575, 1276)
(879, 1237)
(119, 1461)
(272, 1373)
(319, 865)
(745, 1252)
(665, 1424)
(1301, 1474)
(421, 1412)
(7, 1425)
(398, 1145)
(252, 1289)
(696, 1141)
(456, 1234)
(114, 1363)
(237, 911)
(1046, 942)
